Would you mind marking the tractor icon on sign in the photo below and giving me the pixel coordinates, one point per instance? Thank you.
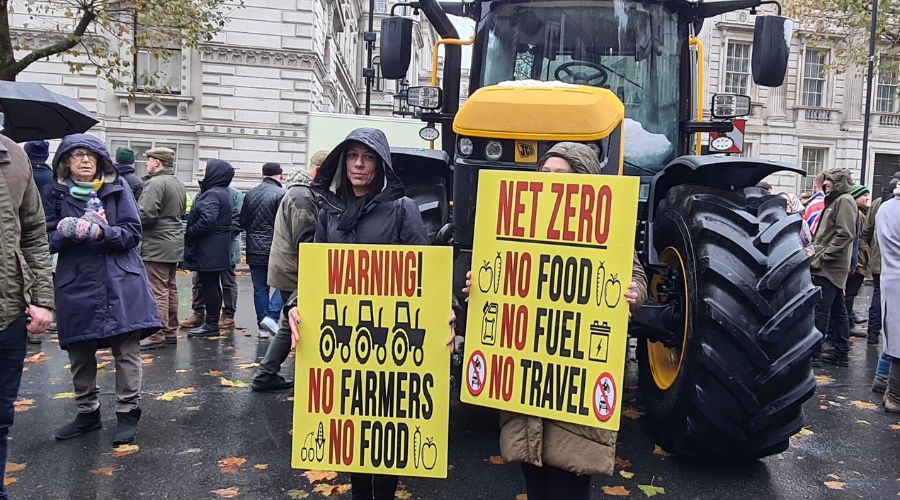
(335, 334)
(407, 336)
(369, 334)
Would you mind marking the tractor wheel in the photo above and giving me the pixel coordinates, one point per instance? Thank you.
(326, 345)
(399, 347)
(363, 346)
(733, 383)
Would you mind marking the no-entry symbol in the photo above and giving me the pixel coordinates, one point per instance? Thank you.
(604, 397)
(475, 373)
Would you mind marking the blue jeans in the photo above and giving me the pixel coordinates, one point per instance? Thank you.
(265, 306)
(12, 358)
(883, 370)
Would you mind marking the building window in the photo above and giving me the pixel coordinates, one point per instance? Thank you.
(737, 68)
(184, 156)
(381, 6)
(814, 78)
(813, 162)
(887, 94)
(378, 81)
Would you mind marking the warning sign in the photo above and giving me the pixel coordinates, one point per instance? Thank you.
(372, 373)
(547, 322)
(728, 142)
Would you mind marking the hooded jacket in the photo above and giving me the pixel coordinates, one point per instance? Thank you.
(101, 286)
(388, 218)
(835, 236)
(258, 219)
(207, 239)
(134, 182)
(887, 227)
(295, 223)
(162, 206)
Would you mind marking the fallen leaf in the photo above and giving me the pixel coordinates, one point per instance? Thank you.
(402, 494)
(103, 471)
(237, 358)
(632, 413)
(651, 490)
(297, 493)
(803, 433)
(177, 393)
(615, 491)
(215, 373)
(36, 358)
(247, 366)
(496, 460)
(227, 492)
(23, 405)
(314, 476)
(146, 359)
(9, 480)
(842, 397)
(261, 466)
(64, 395)
(657, 450)
(12, 467)
(102, 365)
(863, 422)
(823, 407)
(522, 496)
(863, 405)
(124, 449)
(894, 427)
(331, 490)
(824, 379)
(834, 476)
(834, 485)
(626, 474)
(231, 465)
(233, 383)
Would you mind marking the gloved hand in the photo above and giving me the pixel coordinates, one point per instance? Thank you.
(98, 218)
(78, 229)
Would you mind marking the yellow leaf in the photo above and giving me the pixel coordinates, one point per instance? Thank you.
(247, 366)
(615, 491)
(402, 494)
(632, 413)
(215, 373)
(314, 476)
(12, 467)
(331, 490)
(834, 485)
(657, 450)
(297, 493)
(626, 474)
(261, 466)
(522, 496)
(124, 449)
(9, 480)
(23, 405)
(496, 460)
(894, 427)
(863, 405)
(651, 490)
(177, 393)
(824, 379)
(231, 465)
(102, 365)
(803, 433)
(103, 471)
(64, 395)
(227, 492)
(834, 476)
(233, 383)
(36, 358)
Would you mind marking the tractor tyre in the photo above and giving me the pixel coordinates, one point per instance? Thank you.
(733, 383)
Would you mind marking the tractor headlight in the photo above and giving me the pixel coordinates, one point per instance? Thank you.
(465, 146)
(493, 150)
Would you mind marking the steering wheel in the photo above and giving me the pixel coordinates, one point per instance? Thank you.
(565, 73)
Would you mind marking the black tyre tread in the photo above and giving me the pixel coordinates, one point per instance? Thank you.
(742, 391)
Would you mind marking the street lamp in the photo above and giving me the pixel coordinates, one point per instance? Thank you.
(867, 114)
(401, 101)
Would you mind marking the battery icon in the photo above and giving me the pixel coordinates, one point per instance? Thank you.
(599, 336)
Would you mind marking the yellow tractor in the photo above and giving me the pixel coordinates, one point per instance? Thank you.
(724, 344)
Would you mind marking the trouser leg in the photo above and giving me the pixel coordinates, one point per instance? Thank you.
(874, 328)
(127, 353)
(12, 359)
(158, 276)
(260, 291)
(83, 366)
(212, 296)
(279, 348)
(373, 486)
(229, 292)
(172, 329)
(840, 324)
(197, 301)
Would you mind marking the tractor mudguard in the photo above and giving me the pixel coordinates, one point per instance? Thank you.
(721, 172)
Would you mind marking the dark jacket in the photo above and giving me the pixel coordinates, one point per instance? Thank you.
(295, 223)
(162, 205)
(835, 236)
(101, 287)
(126, 172)
(390, 217)
(237, 203)
(207, 239)
(43, 175)
(258, 219)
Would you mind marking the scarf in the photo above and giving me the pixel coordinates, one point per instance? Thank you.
(354, 208)
(83, 190)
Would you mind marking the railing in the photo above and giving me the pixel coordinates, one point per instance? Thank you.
(889, 119)
(817, 115)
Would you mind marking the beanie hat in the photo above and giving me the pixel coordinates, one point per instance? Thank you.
(124, 156)
(270, 169)
(858, 190)
(165, 155)
(37, 151)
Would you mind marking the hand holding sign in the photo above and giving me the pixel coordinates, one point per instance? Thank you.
(294, 322)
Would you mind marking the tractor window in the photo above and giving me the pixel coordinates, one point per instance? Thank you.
(628, 47)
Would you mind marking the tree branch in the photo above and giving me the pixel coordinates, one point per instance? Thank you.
(60, 46)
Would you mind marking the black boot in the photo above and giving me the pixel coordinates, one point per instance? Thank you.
(835, 358)
(208, 329)
(126, 426)
(271, 383)
(83, 423)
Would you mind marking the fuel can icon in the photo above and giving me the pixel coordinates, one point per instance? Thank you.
(489, 324)
(599, 346)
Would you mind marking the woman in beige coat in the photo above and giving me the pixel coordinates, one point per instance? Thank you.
(558, 458)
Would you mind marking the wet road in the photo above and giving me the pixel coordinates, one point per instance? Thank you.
(850, 443)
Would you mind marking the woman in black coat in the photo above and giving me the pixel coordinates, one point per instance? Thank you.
(207, 240)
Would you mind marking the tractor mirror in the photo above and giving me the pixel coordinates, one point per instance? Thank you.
(396, 46)
(771, 48)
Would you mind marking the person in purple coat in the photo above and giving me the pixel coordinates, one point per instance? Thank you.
(103, 297)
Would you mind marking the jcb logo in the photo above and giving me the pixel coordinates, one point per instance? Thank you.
(526, 152)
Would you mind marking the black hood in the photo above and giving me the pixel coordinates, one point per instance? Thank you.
(331, 173)
(124, 169)
(218, 174)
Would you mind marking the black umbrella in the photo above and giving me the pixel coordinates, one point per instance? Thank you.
(31, 113)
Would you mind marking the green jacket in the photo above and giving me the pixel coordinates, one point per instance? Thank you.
(834, 237)
(295, 223)
(868, 236)
(162, 205)
(237, 202)
(25, 274)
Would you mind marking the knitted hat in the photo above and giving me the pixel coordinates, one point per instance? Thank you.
(124, 156)
(165, 155)
(270, 169)
(858, 191)
(37, 151)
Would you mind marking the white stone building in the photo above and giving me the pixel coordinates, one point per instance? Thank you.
(815, 120)
(243, 97)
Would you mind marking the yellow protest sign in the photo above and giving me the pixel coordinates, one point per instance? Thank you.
(372, 374)
(547, 322)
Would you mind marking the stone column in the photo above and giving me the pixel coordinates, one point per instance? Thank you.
(854, 88)
(776, 103)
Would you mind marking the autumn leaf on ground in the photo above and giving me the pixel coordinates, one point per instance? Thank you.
(651, 490)
(863, 405)
(36, 358)
(863, 422)
(215, 373)
(261, 466)
(402, 494)
(314, 476)
(233, 383)
(23, 405)
(227, 492)
(103, 471)
(615, 491)
(297, 493)
(177, 393)
(231, 465)
(146, 359)
(824, 379)
(626, 474)
(9, 480)
(237, 358)
(247, 366)
(632, 413)
(124, 449)
(331, 490)
(522, 496)
(894, 427)
(657, 450)
(622, 463)
(803, 433)
(834, 485)
(64, 395)
(12, 467)
(834, 476)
